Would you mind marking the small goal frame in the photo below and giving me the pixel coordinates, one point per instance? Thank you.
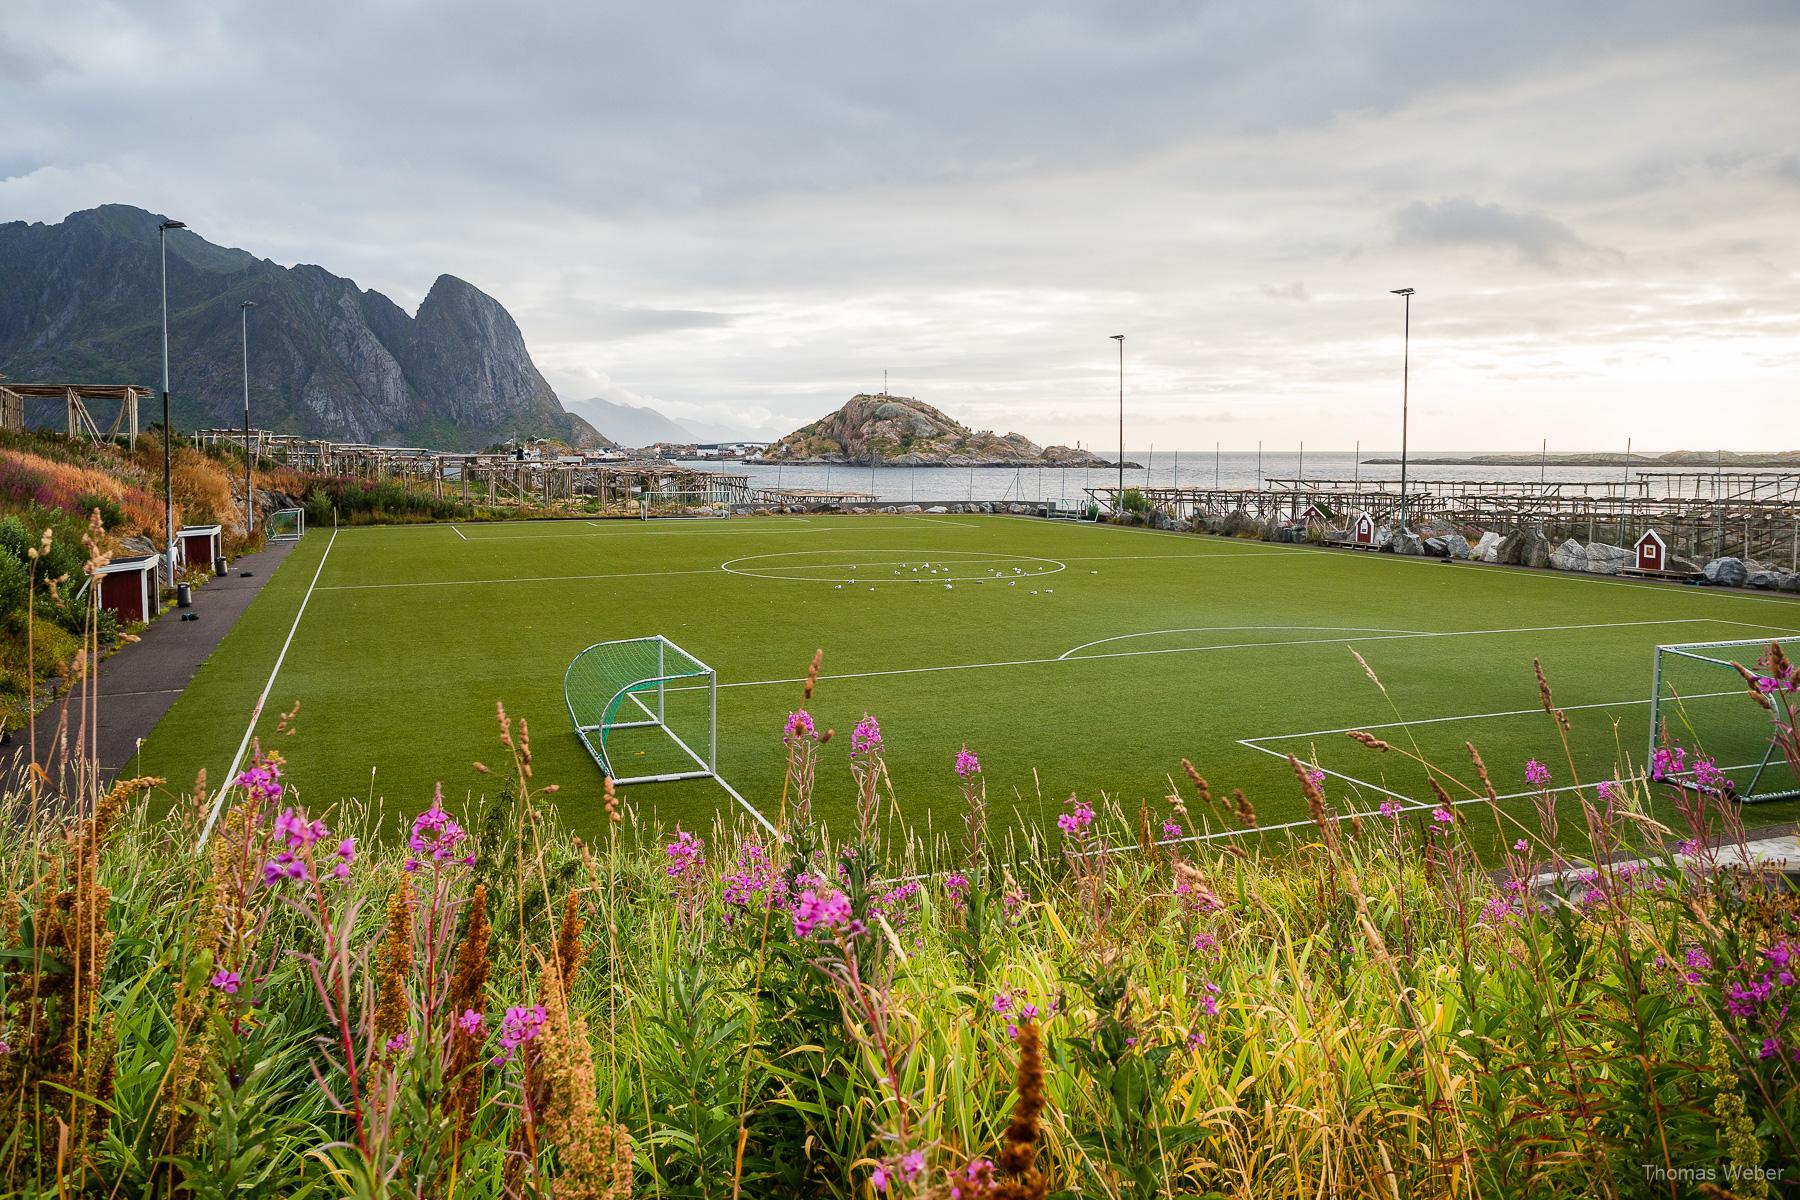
(285, 524)
(607, 676)
(1766, 774)
(1072, 508)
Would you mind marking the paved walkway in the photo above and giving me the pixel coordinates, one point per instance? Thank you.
(141, 681)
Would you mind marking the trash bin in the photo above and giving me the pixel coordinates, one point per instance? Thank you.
(184, 596)
(220, 566)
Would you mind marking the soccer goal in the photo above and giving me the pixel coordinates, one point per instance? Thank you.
(286, 524)
(685, 504)
(1070, 508)
(1701, 704)
(623, 694)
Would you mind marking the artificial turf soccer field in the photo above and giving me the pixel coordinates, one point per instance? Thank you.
(1071, 658)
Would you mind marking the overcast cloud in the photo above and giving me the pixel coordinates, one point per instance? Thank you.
(742, 213)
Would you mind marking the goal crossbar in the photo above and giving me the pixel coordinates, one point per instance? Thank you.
(606, 676)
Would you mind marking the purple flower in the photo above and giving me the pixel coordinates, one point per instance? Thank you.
(520, 1025)
(1075, 822)
(1521, 845)
(436, 835)
(1667, 762)
(263, 780)
(687, 854)
(966, 763)
(1392, 808)
(293, 828)
(829, 912)
(1708, 775)
(226, 981)
(472, 1023)
(284, 865)
(1536, 773)
(1171, 829)
(399, 1043)
(799, 725)
(1442, 816)
(865, 739)
(1316, 777)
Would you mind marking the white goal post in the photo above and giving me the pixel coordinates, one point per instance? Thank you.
(1700, 703)
(612, 686)
(286, 524)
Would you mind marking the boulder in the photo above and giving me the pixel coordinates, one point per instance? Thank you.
(1432, 527)
(1605, 559)
(1726, 572)
(1239, 523)
(1681, 566)
(1437, 547)
(1405, 541)
(909, 508)
(1524, 548)
(1570, 556)
(1791, 582)
(1384, 534)
(1458, 546)
(937, 508)
(1486, 547)
(1766, 579)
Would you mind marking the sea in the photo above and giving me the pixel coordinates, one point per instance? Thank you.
(1157, 468)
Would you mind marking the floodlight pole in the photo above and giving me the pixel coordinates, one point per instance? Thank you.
(1120, 338)
(1405, 384)
(162, 239)
(249, 504)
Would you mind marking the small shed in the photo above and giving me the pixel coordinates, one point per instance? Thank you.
(1363, 531)
(1652, 552)
(199, 544)
(128, 587)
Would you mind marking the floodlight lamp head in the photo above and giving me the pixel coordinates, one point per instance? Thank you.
(167, 225)
(248, 304)
(1118, 337)
(1402, 291)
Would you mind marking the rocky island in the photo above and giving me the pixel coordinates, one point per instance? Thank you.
(900, 431)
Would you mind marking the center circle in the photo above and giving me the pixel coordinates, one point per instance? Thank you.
(893, 566)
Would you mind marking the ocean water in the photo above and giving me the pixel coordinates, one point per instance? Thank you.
(1159, 468)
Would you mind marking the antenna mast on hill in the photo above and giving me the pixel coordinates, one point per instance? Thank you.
(884, 391)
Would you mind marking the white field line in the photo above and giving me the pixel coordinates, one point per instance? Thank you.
(1034, 662)
(1125, 637)
(932, 519)
(459, 533)
(426, 583)
(256, 712)
(1223, 554)
(682, 531)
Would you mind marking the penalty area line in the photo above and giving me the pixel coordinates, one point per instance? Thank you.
(212, 817)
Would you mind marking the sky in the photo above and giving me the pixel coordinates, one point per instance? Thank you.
(742, 213)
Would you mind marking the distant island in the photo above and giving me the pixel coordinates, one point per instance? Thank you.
(903, 432)
(1674, 458)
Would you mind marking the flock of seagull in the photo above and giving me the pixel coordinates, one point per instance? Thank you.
(994, 573)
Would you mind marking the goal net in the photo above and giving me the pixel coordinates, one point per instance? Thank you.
(646, 709)
(1701, 705)
(286, 524)
(690, 504)
(1071, 508)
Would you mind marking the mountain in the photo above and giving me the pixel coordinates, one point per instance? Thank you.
(901, 431)
(631, 424)
(327, 359)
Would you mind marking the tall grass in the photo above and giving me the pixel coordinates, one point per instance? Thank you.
(490, 1007)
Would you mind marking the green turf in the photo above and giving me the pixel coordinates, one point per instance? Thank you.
(1108, 657)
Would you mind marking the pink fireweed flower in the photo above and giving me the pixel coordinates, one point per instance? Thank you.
(1316, 777)
(865, 739)
(1521, 845)
(284, 865)
(1708, 775)
(262, 780)
(966, 763)
(1667, 761)
(436, 836)
(226, 981)
(472, 1023)
(799, 725)
(1536, 773)
(399, 1043)
(520, 1025)
(1443, 817)
(346, 855)
(687, 854)
(298, 833)
(1392, 808)
(1075, 822)
(829, 912)
(1171, 829)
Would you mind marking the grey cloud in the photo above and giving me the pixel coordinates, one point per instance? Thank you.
(1460, 221)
